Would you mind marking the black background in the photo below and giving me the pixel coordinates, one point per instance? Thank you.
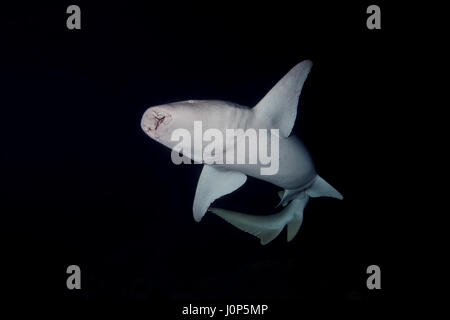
(82, 184)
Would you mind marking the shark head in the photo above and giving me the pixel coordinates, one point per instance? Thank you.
(156, 121)
(160, 121)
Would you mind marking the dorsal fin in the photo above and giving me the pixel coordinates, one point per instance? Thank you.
(278, 109)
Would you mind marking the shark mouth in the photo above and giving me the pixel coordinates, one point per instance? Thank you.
(154, 121)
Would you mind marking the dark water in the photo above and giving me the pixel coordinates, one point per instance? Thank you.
(81, 184)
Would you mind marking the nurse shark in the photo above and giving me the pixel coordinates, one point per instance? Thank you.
(275, 115)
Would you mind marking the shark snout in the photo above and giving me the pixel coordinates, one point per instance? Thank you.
(154, 120)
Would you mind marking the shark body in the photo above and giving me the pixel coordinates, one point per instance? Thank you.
(296, 173)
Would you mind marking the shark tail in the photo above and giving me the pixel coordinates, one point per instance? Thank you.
(267, 228)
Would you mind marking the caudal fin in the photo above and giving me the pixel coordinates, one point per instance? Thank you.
(267, 228)
(297, 219)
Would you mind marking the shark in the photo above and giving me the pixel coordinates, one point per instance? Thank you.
(276, 112)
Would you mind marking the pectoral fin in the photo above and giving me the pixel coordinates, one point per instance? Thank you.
(214, 182)
(278, 109)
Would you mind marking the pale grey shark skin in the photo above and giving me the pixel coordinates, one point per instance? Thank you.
(296, 174)
(296, 168)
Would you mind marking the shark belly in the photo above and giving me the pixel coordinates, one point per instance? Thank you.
(296, 168)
